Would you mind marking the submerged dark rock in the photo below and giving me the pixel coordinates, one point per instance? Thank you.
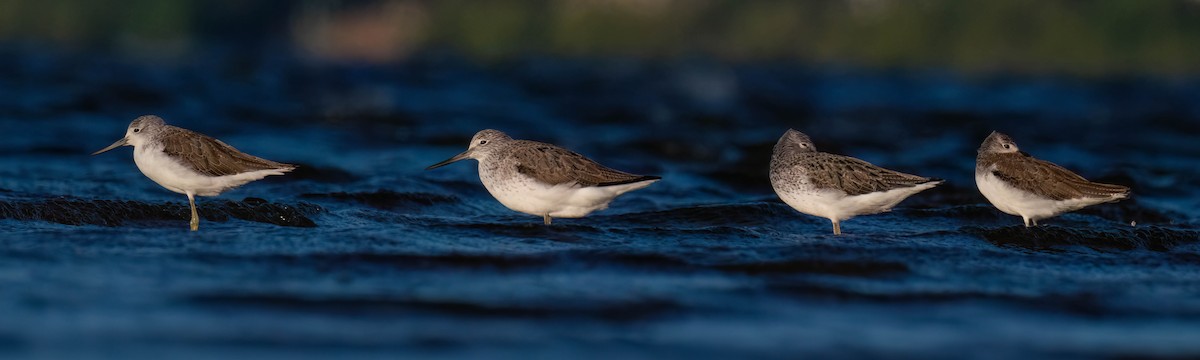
(76, 211)
(1133, 211)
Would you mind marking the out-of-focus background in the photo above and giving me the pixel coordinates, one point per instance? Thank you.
(360, 252)
(1025, 36)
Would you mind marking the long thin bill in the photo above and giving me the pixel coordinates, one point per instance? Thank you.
(458, 157)
(115, 145)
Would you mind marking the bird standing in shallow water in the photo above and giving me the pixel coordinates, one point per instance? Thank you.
(1019, 184)
(543, 179)
(191, 163)
(836, 187)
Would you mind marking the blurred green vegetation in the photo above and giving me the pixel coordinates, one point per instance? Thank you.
(83, 21)
(1077, 37)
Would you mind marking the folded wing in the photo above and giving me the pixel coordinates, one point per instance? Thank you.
(211, 157)
(856, 177)
(1051, 181)
(554, 165)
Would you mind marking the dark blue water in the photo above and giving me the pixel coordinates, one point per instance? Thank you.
(361, 252)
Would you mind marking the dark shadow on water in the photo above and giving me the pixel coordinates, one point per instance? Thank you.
(816, 266)
(1080, 304)
(322, 174)
(732, 215)
(635, 260)
(814, 290)
(560, 231)
(387, 199)
(327, 261)
(12, 343)
(1124, 238)
(605, 311)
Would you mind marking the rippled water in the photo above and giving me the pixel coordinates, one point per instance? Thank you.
(361, 252)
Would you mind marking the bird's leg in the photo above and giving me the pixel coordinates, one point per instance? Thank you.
(1026, 221)
(1035, 223)
(837, 228)
(195, 218)
(546, 219)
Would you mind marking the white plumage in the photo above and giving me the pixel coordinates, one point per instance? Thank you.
(528, 195)
(836, 206)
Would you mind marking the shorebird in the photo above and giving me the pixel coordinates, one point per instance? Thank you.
(1019, 184)
(543, 179)
(836, 187)
(191, 163)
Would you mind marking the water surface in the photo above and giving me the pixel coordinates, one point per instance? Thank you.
(361, 252)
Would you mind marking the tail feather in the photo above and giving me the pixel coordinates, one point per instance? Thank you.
(631, 180)
(1093, 189)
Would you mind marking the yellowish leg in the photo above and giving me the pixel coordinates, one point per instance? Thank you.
(546, 219)
(837, 228)
(1026, 221)
(195, 218)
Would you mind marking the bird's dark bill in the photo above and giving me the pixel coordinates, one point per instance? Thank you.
(115, 145)
(458, 157)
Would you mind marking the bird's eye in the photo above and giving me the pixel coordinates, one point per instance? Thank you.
(1007, 146)
(481, 142)
(137, 130)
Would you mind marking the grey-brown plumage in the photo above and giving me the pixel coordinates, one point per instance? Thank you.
(543, 179)
(554, 165)
(836, 187)
(796, 158)
(847, 174)
(209, 156)
(1019, 184)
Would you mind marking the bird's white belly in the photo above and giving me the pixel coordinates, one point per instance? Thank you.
(1022, 203)
(167, 172)
(814, 202)
(527, 195)
(837, 206)
(174, 176)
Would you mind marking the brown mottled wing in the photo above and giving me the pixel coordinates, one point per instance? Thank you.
(1049, 180)
(210, 156)
(554, 165)
(854, 176)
